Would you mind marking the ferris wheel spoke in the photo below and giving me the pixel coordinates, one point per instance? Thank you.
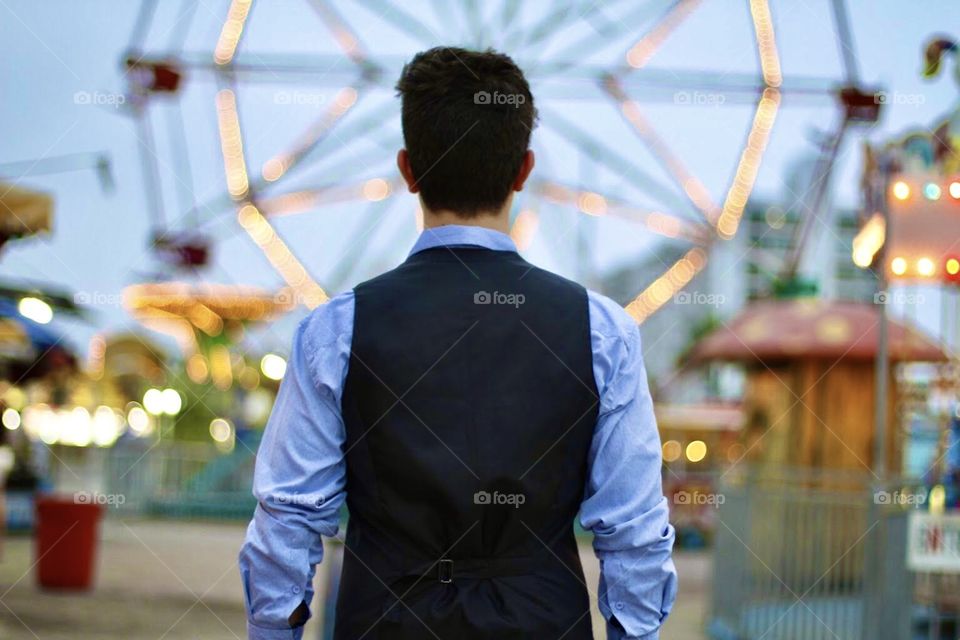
(149, 162)
(375, 121)
(346, 38)
(661, 290)
(474, 22)
(596, 204)
(614, 161)
(766, 42)
(749, 165)
(216, 205)
(345, 266)
(572, 55)
(643, 49)
(309, 293)
(568, 12)
(666, 82)
(256, 225)
(509, 10)
(277, 166)
(690, 185)
(304, 200)
(445, 14)
(179, 144)
(178, 36)
(845, 40)
(141, 26)
(231, 32)
(390, 12)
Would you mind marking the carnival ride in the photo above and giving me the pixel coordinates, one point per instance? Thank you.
(28, 349)
(911, 188)
(606, 63)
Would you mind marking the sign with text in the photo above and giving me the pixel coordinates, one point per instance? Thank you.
(933, 542)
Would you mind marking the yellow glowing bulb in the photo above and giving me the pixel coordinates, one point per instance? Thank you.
(953, 266)
(35, 309)
(901, 190)
(925, 267)
(11, 419)
(273, 366)
(671, 450)
(171, 401)
(696, 451)
(220, 430)
(898, 266)
(937, 499)
(592, 204)
(376, 189)
(138, 420)
(153, 401)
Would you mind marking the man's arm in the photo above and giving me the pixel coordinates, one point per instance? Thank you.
(300, 477)
(623, 503)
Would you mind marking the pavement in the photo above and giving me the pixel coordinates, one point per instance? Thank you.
(173, 580)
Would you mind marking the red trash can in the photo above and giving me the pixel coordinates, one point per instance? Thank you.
(66, 541)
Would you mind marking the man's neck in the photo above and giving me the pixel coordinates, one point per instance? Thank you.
(499, 221)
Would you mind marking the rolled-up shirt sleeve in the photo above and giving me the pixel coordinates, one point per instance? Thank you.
(300, 476)
(623, 504)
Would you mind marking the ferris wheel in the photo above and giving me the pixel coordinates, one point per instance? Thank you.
(574, 50)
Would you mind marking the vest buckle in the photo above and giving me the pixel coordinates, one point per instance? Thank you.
(445, 570)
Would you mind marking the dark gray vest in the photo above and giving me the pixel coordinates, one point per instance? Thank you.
(470, 405)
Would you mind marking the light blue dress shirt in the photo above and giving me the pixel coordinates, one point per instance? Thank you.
(301, 473)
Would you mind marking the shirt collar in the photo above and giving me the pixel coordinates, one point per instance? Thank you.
(450, 235)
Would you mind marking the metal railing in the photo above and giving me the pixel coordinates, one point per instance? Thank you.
(174, 479)
(804, 556)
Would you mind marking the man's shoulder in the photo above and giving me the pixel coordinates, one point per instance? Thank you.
(609, 319)
(330, 320)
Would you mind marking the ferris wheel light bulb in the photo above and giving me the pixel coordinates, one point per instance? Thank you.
(901, 190)
(952, 266)
(925, 267)
(954, 190)
(898, 266)
(932, 191)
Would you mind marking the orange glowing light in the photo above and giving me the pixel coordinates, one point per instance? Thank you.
(901, 190)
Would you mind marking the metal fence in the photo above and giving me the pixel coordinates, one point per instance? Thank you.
(167, 479)
(801, 556)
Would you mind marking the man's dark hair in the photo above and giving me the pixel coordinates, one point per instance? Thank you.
(467, 118)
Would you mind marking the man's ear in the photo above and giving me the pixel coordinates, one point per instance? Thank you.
(525, 168)
(403, 163)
